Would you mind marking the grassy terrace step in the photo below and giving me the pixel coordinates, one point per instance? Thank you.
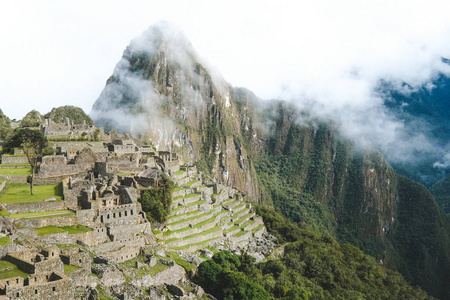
(248, 223)
(15, 171)
(186, 238)
(174, 218)
(198, 225)
(196, 245)
(228, 202)
(233, 228)
(39, 214)
(51, 229)
(191, 195)
(244, 218)
(239, 212)
(199, 202)
(190, 183)
(189, 219)
(179, 172)
(240, 233)
(257, 228)
(20, 193)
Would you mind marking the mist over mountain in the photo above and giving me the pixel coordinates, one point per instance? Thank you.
(314, 163)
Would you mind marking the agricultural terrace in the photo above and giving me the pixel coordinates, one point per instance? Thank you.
(15, 171)
(20, 193)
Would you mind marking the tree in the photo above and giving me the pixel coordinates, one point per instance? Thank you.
(32, 142)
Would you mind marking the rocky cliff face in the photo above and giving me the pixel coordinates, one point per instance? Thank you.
(161, 91)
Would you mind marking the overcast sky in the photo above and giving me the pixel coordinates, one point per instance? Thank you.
(57, 53)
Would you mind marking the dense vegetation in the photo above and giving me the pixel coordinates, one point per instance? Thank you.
(32, 119)
(313, 177)
(441, 192)
(156, 201)
(75, 114)
(5, 126)
(421, 237)
(313, 266)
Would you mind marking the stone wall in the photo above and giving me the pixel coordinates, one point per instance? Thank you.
(20, 262)
(2, 185)
(57, 287)
(49, 265)
(42, 222)
(6, 159)
(15, 208)
(80, 277)
(119, 215)
(123, 254)
(49, 170)
(14, 178)
(86, 217)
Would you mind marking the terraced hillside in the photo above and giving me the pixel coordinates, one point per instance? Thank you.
(203, 212)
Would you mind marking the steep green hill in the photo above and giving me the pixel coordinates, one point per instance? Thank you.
(32, 119)
(441, 192)
(5, 126)
(313, 176)
(75, 114)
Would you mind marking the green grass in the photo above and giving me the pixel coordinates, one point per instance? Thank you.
(188, 219)
(186, 214)
(196, 244)
(20, 193)
(257, 228)
(199, 202)
(190, 182)
(76, 229)
(7, 166)
(3, 212)
(51, 229)
(205, 232)
(191, 195)
(234, 227)
(198, 225)
(15, 171)
(249, 222)
(9, 270)
(179, 172)
(157, 268)
(156, 231)
(69, 268)
(124, 174)
(5, 241)
(178, 188)
(240, 233)
(176, 258)
(40, 213)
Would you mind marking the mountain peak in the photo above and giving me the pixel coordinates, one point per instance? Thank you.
(162, 36)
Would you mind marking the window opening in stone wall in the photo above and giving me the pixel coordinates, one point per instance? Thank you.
(53, 288)
(114, 215)
(125, 213)
(131, 211)
(35, 291)
(101, 219)
(18, 294)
